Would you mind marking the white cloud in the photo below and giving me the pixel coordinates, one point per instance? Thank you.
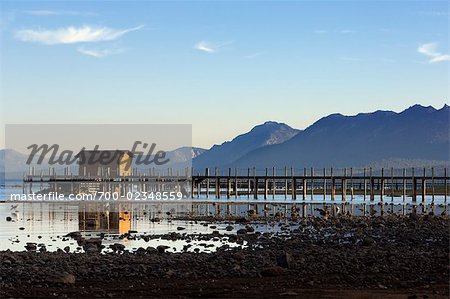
(429, 50)
(58, 13)
(209, 47)
(204, 46)
(320, 31)
(72, 35)
(347, 31)
(99, 53)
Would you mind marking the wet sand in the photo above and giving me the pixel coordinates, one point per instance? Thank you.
(336, 257)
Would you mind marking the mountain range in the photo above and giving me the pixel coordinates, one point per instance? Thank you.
(416, 137)
(413, 136)
(261, 136)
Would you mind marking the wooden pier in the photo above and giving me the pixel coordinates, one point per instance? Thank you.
(311, 183)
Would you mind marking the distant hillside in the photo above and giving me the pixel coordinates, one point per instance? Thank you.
(180, 159)
(417, 133)
(16, 162)
(267, 134)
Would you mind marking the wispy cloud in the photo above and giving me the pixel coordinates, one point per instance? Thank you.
(100, 53)
(320, 31)
(59, 13)
(429, 50)
(210, 47)
(204, 46)
(72, 35)
(346, 31)
(433, 13)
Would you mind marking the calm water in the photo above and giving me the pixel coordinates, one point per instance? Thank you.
(47, 222)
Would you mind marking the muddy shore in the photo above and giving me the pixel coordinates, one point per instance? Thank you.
(341, 257)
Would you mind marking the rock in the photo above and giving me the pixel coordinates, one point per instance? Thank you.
(74, 235)
(31, 247)
(413, 216)
(96, 241)
(241, 220)
(67, 249)
(284, 260)
(151, 250)
(239, 256)
(141, 251)
(272, 271)
(117, 247)
(162, 248)
(232, 238)
(229, 228)
(249, 228)
(91, 248)
(367, 241)
(8, 219)
(6, 263)
(21, 228)
(81, 241)
(132, 231)
(289, 293)
(169, 273)
(66, 278)
(181, 228)
(241, 231)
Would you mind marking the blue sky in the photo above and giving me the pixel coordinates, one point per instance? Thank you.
(221, 66)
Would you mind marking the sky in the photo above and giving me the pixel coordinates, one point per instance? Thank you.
(223, 67)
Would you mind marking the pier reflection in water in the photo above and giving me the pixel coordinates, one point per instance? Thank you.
(105, 221)
(47, 223)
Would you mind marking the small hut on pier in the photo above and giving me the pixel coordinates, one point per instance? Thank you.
(105, 163)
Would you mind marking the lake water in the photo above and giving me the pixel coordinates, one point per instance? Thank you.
(47, 222)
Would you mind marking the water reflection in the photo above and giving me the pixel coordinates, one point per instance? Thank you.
(47, 223)
(105, 221)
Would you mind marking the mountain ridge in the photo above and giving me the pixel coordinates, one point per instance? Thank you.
(266, 134)
(385, 135)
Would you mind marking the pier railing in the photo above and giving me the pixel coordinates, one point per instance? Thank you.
(268, 183)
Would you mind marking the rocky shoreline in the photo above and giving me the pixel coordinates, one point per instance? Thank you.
(403, 255)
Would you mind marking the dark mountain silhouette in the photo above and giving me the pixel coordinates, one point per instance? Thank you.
(417, 133)
(264, 135)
